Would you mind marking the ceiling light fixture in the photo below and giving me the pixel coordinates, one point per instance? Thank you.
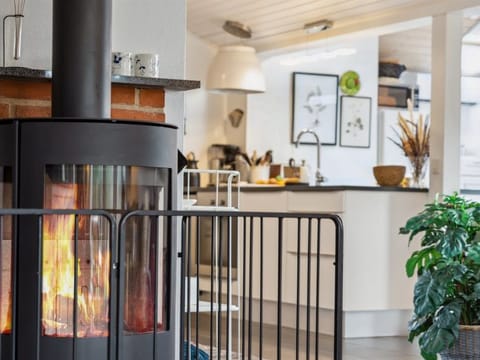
(236, 68)
(237, 29)
(317, 26)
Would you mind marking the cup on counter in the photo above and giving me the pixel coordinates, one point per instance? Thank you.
(147, 65)
(122, 63)
(259, 174)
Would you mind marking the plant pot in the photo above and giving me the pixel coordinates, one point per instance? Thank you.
(467, 345)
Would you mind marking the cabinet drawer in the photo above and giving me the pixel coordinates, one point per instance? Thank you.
(274, 201)
(325, 201)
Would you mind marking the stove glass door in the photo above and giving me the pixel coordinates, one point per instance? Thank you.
(116, 189)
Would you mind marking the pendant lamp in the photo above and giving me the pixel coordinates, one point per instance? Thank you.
(236, 68)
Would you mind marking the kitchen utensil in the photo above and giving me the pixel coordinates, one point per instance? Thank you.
(19, 6)
(267, 158)
(246, 158)
(254, 158)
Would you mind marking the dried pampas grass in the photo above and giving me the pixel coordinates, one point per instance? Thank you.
(413, 138)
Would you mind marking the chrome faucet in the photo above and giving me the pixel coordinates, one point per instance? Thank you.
(318, 175)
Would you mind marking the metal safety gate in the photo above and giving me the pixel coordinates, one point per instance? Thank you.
(253, 285)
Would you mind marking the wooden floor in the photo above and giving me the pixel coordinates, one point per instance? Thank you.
(387, 348)
(383, 348)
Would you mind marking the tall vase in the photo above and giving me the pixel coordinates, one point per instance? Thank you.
(418, 169)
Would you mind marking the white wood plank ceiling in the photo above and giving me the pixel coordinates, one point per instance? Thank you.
(279, 23)
(413, 47)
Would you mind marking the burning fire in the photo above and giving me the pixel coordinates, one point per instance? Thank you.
(5, 286)
(89, 289)
(58, 272)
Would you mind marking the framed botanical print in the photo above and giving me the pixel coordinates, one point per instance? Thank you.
(315, 103)
(355, 121)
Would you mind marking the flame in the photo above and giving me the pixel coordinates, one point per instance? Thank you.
(6, 276)
(58, 273)
(5, 287)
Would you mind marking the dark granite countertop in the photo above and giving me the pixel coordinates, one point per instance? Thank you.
(19, 73)
(303, 188)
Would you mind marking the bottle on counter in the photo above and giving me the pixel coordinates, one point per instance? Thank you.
(304, 173)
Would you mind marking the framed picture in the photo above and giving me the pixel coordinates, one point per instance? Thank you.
(315, 104)
(355, 121)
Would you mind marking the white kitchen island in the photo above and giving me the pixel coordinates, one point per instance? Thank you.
(377, 295)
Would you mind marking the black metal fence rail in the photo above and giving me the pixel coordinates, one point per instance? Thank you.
(279, 271)
(263, 267)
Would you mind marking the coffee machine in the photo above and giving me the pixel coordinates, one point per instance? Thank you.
(221, 157)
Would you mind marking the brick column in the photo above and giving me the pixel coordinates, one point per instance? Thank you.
(32, 99)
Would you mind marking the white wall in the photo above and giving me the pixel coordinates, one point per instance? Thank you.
(269, 114)
(157, 27)
(207, 113)
(152, 26)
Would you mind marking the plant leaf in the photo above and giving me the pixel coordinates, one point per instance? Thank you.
(444, 330)
(476, 290)
(420, 260)
(428, 294)
(418, 325)
(448, 316)
(453, 242)
(473, 253)
(428, 356)
(435, 340)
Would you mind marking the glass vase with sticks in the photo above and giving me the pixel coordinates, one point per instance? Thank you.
(413, 138)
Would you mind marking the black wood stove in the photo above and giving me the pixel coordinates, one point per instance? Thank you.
(68, 289)
(64, 299)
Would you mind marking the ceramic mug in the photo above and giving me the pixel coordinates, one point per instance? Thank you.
(122, 63)
(147, 65)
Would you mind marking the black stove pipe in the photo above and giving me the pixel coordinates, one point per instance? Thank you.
(81, 58)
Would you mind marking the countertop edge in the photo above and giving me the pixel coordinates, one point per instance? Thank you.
(23, 73)
(322, 188)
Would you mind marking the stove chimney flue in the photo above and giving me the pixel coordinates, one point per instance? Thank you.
(81, 58)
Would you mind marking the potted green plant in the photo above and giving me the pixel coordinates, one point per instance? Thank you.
(447, 291)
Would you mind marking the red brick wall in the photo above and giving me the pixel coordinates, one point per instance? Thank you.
(26, 99)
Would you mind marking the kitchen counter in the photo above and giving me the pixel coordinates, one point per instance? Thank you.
(19, 73)
(376, 289)
(316, 188)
